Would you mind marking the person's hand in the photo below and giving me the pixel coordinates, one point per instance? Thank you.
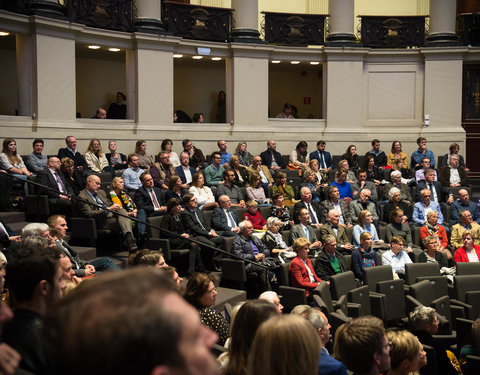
(64, 197)
(89, 271)
(213, 233)
(15, 238)
(348, 246)
(9, 360)
(185, 235)
(115, 207)
(259, 256)
(342, 225)
(236, 230)
(450, 199)
(242, 204)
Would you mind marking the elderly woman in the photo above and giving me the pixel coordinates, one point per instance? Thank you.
(404, 353)
(469, 252)
(302, 274)
(12, 163)
(364, 256)
(243, 155)
(201, 292)
(299, 157)
(344, 188)
(241, 174)
(397, 227)
(352, 157)
(364, 224)
(280, 211)
(203, 194)
(166, 146)
(431, 228)
(431, 253)
(351, 178)
(73, 176)
(321, 176)
(175, 189)
(425, 323)
(408, 177)
(316, 189)
(284, 189)
(273, 238)
(395, 203)
(255, 190)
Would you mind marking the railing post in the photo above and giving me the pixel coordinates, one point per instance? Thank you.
(246, 21)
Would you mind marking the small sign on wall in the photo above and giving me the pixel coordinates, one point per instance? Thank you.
(307, 100)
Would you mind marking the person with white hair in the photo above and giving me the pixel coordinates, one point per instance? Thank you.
(272, 297)
(396, 178)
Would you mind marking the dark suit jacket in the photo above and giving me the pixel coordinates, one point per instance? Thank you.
(244, 173)
(122, 157)
(92, 211)
(327, 205)
(444, 161)
(442, 192)
(3, 237)
(219, 219)
(326, 156)
(267, 159)
(323, 267)
(77, 158)
(342, 238)
(297, 232)
(46, 178)
(316, 207)
(191, 224)
(444, 176)
(142, 199)
(181, 173)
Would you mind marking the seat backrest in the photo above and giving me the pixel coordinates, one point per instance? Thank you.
(361, 295)
(341, 284)
(416, 236)
(284, 276)
(468, 268)
(464, 284)
(155, 221)
(207, 215)
(373, 275)
(414, 270)
(439, 283)
(349, 231)
(323, 290)
(348, 261)
(422, 292)
(233, 270)
(395, 306)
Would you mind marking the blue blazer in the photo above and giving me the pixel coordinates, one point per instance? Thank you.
(326, 156)
(181, 173)
(419, 214)
(330, 366)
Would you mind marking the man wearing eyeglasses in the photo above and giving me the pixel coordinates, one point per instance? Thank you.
(363, 203)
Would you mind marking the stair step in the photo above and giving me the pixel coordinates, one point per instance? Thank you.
(12, 217)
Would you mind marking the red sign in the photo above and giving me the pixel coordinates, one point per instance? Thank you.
(307, 100)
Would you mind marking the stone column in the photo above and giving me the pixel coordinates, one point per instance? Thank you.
(47, 8)
(341, 23)
(149, 17)
(246, 21)
(442, 23)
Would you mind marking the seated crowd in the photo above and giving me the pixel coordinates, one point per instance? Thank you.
(244, 204)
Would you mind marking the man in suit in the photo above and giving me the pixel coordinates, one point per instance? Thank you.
(334, 202)
(363, 203)
(463, 203)
(304, 229)
(197, 159)
(262, 170)
(224, 219)
(329, 261)
(362, 183)
(379, 156)
(271, 158)
(316, 216)
(59, 200)
(194, 223)
(453, 175)
(325, 161)
(149, 201)
(80, 267)
(9, 240)
(440, 194)
(184, 170)
(420, 209)
(71, 152)
(94, 204)
(333, 227)
(396, 177)
(466, 223)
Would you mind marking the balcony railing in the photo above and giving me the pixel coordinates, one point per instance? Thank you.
(294, 29)
(393, 31)
(469, 28)
(198, 22)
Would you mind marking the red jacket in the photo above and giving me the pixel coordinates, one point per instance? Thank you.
(442, 235)
(299, 275)
(257, 221)
(461, 254)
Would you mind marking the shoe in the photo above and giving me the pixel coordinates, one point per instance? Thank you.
(130, 243)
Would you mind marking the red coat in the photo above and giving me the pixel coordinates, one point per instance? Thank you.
(461, 254)
(299, 275)
(442, 235)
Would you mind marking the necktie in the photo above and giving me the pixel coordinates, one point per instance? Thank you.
(434, 193)
(305, 228)
(322, 160)
(198, 219)
(230, 218)
(312, 215)
(99, 201)
(154, 199)
(60, 182)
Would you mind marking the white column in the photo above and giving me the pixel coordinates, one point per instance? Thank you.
(246, 21)
(442, 22)
(341, 23)
(149, 16)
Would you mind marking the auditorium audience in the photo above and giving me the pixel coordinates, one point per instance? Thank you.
(120, 196)
(445, 159)
(397, 227)
(363, 203)
(364, 256)
(287, 112)
(166, 147)
(96, 159)
(431, 253)
(304, 229)
(424, 166)
(149, 201)
(321, 176)
(100, 114)
(162, 171)
(301, 270)
(466, 224)
(115, 159)
(201, 293)
(461, 204)
(379, 156)
(214, 172)
(245, 157)
(407, 174)
(352, 157)
(440, 194)
(12, 163)
(397, 153)
(343, 164)
(118, 109)
(420, 209)
(396, 257)
(224, 219)
(145, 160)
(405, 194)
(281, 211)
(203, 194)
(453, 175)
(255, 191)
(314, 209)
(229, 189)
(35, 161)
(73, 176)
(315, 188)
(329, 261)
(404, 353)
(132, 174)
(198, 118)
(273, 238)
(195, 154)
(221, 107)
(71, 152)
(254, 216)
(146, 257)
(262, 170)
(469, 252)
(432, 228)
(271, 158)
(283, 188)
(241, 175)
(299, 157)
(422, 152)
(395, 203)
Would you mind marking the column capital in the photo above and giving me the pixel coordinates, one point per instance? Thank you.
(47, 8)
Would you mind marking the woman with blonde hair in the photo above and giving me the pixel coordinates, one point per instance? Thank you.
(241, 174)
(404, 353)
(244, 156)
(203, 194)
(255, 190)
(12, 163)
(284, 189)
(96, 159)
(285, 345)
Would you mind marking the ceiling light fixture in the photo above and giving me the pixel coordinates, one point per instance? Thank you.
(4, 33)
(114, 49)
(177, 56)
(216, 58)
(275, 61)
(197, 57)
(93, 47)
(314, 62)
(294, 62)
